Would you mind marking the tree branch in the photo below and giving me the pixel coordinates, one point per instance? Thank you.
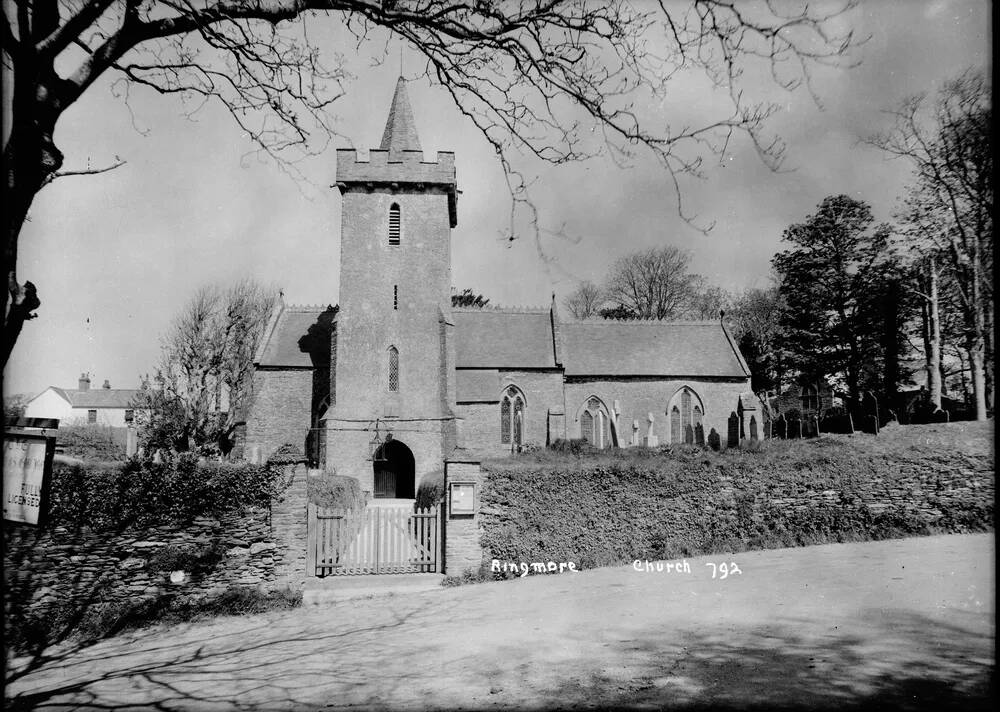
(85, 171)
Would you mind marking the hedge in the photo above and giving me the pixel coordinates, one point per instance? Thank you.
(140, 493)
(601, 509)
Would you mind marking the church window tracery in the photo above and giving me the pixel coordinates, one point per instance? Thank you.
(686, 414)
(393, 369)
(595, 425)
(512, 417)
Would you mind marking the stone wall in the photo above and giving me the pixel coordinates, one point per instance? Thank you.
(281, 410)
(480, 425)
(289, 528)
(60, 566)
(462, 550)
(261, 549)
(639, 397)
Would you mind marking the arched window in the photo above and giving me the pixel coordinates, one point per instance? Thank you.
(394, 224)
(686, 412)
(810, 397)
(393, 369)
(595, 425)
(512, 417)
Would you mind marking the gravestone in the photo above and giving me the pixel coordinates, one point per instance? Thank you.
(650, 440)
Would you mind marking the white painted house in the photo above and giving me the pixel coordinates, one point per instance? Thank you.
(84, 405)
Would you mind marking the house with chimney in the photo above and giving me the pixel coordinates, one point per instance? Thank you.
(84, 405)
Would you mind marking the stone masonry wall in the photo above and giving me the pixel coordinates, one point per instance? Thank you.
(281, 411)
(60, 566)
(639, 397)
(462, 532)
(289, 528)
(262, 549)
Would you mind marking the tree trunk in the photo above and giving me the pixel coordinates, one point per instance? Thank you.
(934, 337)
(890, 345)
(990, 384)
(29, 159)
(976, 365)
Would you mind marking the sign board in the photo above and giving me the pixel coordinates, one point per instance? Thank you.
(27, 467)
(461, 498)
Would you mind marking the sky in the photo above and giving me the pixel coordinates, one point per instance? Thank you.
(116, 256)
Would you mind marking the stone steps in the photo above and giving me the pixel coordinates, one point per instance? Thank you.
(332, 589)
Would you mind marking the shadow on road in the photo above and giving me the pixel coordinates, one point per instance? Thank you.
(903, 662)
(898, 660)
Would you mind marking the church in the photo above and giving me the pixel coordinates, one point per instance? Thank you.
(393, 382)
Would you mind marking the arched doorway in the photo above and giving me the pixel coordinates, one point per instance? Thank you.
(394, 470)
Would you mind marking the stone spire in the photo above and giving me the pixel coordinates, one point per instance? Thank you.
(400, 130)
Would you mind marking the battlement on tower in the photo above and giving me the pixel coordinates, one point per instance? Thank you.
(405, 167)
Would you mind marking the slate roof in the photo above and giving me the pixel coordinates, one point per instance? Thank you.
(644, 348)
(98, 397)
(477, 386)
(490, 339)
(495, 338)
(295, 336)
(400, 132)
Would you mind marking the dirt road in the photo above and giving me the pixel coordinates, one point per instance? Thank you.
(905, 624)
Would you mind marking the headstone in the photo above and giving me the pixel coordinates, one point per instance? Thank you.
(635, 432)
(733, 436)
(650, 440)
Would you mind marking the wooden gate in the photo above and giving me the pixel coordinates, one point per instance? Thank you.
(374, 540)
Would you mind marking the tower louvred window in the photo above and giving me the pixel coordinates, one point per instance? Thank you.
(394, 224)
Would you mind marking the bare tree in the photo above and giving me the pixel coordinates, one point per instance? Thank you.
(541, 78)
(950, 205)
(207, 369)
(654, 284)
(708, 300)
(586, 301)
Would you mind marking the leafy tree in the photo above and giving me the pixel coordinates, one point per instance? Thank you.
(949, 209)
(654, 284)
(537, 78)
(618, 313)
(206, 381)
(468, 298)
(755, 321)
(14, 405)
(585, 301)
(834, 280)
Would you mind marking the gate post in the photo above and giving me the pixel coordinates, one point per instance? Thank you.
(438, 544)
(312, 534)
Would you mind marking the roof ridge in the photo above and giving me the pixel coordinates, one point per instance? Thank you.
(651, 322)
(501, 309)
(309, 307)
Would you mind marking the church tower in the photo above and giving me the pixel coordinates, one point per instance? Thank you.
(393, 417)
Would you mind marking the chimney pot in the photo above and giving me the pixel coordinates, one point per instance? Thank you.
(84, 383)
(107, 384)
